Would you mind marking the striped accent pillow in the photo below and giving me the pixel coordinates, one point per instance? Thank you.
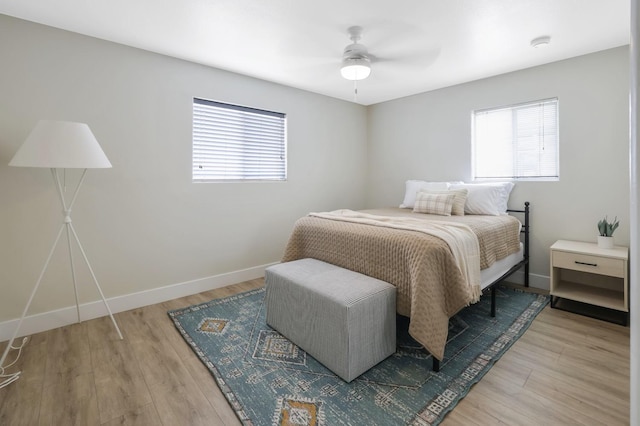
(458, 202)
(440, 204)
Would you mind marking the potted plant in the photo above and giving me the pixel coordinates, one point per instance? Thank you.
(606, 228)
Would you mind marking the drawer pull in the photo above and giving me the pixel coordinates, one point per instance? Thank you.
(585, 263)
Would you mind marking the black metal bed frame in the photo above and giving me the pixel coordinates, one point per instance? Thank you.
(524, 262)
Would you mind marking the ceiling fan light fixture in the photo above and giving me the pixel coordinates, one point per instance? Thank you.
(355, 68)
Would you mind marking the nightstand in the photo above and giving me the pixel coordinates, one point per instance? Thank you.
(583, 272)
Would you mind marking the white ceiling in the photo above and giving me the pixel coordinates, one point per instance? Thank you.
(422, 44)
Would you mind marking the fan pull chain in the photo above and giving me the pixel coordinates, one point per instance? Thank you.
(355, 90)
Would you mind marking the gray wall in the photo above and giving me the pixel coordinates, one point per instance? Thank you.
(143, 223)
(428, 136)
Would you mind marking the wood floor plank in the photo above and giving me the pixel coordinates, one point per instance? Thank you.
(196, 368)
(120, 386)
(69, 387)
(20, 402)
(164, 371)
(610, 409)
(609, 376)
(507, 414)
(590, 327)
(539, 407)
(185, 405)
(590, 376)
(570, 402)
(70, 403)
(517, 374)
(531, 354)
(549, 342)
(200, 374)
(468, 414)
(68, 355)
(205, 382)
(145, 416)
(158, 361)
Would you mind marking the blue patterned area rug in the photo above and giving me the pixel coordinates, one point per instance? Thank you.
(270, 381)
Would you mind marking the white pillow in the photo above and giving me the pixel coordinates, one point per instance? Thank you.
(431, 203)
(486, 198)
(413, 186)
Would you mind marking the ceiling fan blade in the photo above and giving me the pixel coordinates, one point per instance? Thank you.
(422, 59)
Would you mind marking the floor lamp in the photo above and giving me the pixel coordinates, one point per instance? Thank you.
(58, 145)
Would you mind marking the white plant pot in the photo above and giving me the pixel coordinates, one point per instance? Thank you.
(605, 242)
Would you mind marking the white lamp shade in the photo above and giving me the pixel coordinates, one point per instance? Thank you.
(355, 68)
(61, 145)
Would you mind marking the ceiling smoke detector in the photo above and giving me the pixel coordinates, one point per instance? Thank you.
(541, 41)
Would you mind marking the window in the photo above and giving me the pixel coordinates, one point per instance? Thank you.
(516, 142)
(237, 143)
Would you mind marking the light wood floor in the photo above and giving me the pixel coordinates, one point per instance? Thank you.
(567, 369)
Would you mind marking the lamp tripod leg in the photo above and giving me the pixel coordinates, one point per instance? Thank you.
(69, 225)
(73, 269)
(95, 280)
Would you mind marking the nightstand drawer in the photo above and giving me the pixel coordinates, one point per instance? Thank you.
(591, 264)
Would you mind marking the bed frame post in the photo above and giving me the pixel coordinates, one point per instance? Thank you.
(493, 300)
(526, 244)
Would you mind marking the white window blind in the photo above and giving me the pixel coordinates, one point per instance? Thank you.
(232, 142)
(517, 142)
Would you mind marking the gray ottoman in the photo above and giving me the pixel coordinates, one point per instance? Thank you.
(345, 320)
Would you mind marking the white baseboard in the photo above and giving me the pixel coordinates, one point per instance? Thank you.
(536, 281)
(65, 316)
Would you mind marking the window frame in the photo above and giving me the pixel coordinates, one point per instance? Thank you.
(241, 114)
(514, 129)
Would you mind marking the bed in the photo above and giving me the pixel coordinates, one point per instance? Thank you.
(430, 284)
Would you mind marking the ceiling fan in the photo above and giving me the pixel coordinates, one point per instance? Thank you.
(399, 58)
(356, 61)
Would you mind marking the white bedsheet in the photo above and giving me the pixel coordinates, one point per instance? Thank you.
(495, 271)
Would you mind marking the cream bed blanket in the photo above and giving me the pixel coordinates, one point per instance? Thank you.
(430, 286)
